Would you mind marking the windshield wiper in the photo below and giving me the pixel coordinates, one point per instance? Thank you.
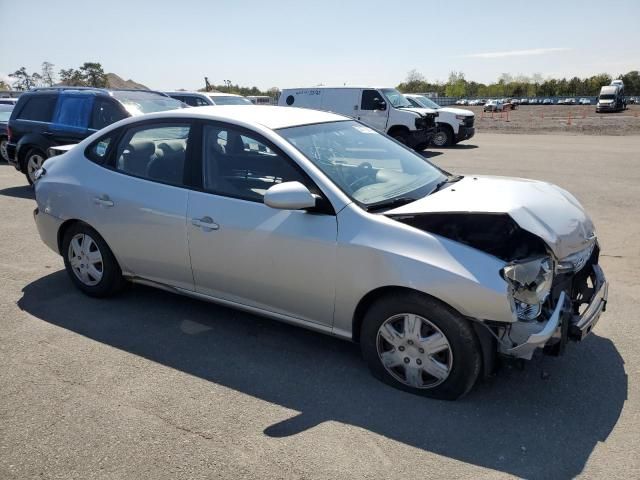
(447, 181)
(393, 202)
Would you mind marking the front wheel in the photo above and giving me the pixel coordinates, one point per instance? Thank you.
(443, 137)
(90, 262)
(414, 343)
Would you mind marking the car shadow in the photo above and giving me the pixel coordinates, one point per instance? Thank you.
(464, 146)
(429, 153)
(24, 191)
(525, 423)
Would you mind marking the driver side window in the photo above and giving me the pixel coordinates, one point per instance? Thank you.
(371, 100)
(240, 165)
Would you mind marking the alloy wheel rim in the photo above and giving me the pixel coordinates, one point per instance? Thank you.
(34, 164)
(85, 259)
(414, 351)
(439, 139)
(3, 150)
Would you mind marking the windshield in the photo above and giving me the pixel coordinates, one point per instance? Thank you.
(395, 98)
(369, 167)
(141, 102)
(607, 96)
(426, 102)
(231, 100)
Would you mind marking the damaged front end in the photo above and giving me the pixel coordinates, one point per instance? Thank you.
(553, 300)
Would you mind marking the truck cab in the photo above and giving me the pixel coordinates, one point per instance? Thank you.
(384, 109)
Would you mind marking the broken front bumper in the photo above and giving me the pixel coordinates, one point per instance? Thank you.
(565, 322)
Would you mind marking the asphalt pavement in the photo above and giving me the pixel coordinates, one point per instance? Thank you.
(154, 385)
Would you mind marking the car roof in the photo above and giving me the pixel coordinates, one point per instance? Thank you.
(271, 117)
(207, 94)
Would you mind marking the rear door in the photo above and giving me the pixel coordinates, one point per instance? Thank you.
(33, 116)
(138, 199)
(282, 261)
(370, 112)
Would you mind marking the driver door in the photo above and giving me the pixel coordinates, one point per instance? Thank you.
(370, 112)
(281, 261)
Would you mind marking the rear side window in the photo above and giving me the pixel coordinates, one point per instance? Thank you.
(97, 151)
(38, 108)
(73, 111)
(105, 112)
(154, 152)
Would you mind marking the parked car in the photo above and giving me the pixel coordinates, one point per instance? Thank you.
(453, 124)
(524, 101)
(493, 106)
(384, 109)
(584, 101)
(5, 113)
(45, 117)
(533, 101)
(8, 101)
(200, 99)
(318, 220)
(462, 101)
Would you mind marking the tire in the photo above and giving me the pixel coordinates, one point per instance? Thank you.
(401, 136)
(3, 149)
(454, 364)
(105, 278)
(33, 160)
(443, 137)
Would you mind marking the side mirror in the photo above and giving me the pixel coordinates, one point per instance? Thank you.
(289, 196)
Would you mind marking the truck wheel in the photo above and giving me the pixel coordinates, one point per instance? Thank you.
(401, 137)
(443, 137)
(416, 344)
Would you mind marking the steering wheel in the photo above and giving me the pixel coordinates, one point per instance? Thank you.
(363, 172)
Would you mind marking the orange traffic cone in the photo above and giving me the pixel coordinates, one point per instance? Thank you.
(569, 119)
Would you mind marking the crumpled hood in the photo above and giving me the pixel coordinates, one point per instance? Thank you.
(541, 208)
(421, 111)
(457, 111)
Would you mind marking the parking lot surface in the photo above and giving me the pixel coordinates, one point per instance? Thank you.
(153, 385)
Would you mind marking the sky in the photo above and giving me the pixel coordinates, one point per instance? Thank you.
(281, 43)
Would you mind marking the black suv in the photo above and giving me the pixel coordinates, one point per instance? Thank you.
(48, 117)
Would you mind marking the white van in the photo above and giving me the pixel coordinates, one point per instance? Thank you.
(384, 109)
(454, 124)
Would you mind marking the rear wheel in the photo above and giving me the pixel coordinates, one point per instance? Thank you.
(33, 161)
(3, 149)
(90, 262)
(414, 343)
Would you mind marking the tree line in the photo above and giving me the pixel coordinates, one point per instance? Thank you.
(89, 74)
(518, 86)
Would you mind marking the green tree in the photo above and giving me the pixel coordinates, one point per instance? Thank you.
(94, 75)
(4, 85)
(48, 77)
(72, 78)
(23, 79)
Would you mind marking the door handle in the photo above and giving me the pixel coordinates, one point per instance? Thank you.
(103, 201)
(205, 223)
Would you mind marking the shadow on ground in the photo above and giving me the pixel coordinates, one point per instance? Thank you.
(517, 423)
(429, 153)
(24, 191)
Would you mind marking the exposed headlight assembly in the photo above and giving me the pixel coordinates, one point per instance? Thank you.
(529, 285)
(575, 261)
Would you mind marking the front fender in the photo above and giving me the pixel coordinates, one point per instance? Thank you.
(375, 252)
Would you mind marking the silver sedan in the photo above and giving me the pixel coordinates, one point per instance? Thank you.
(317, 220)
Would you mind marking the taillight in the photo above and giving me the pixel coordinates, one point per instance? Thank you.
(9, 134)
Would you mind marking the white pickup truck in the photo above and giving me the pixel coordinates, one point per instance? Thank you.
(384, 109)
(454, 124)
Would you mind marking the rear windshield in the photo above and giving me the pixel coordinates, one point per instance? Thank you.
(141, 102)
(218, 100)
